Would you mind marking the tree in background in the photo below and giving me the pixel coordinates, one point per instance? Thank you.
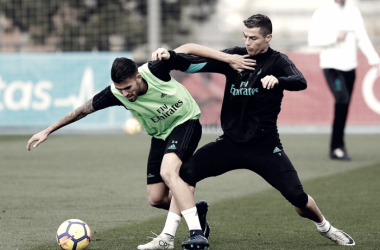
(85, 25)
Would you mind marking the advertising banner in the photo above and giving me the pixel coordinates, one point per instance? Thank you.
(37, 89)
(315, 105)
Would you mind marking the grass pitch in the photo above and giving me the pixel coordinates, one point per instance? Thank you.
(101, 180)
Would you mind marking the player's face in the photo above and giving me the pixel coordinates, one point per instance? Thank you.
(130, 87)
(255, 42)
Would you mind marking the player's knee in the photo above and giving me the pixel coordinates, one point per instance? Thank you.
(187, 175)
(298, 198)
(168, 176)
(158, 201)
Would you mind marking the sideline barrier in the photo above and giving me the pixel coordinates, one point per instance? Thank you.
(38, 89)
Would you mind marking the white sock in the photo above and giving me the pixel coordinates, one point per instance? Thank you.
(171, 224)
(324, 226)
(191, 217)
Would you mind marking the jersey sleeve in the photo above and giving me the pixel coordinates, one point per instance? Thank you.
(236, 50)
(193, 64)
(105, 99)
(362, 38)
(160, 69)
(289, 77)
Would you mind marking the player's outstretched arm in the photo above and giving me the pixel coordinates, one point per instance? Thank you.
(71, 117)
(237, 62)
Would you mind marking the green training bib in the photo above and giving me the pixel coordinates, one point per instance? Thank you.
(163, 107)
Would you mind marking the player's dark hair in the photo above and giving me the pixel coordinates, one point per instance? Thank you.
(259, 21)
(122, 68)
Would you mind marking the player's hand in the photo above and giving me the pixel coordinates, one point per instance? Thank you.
(39, 137)
(269, 82)
(160, 54)
(241, 63)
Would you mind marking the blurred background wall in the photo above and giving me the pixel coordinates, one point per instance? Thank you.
(56, 54)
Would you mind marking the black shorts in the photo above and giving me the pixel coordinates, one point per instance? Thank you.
(264, 156)
(183, 141)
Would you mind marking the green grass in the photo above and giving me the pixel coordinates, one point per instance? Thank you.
(101, 180)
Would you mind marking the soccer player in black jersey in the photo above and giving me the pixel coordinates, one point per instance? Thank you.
(255, 83)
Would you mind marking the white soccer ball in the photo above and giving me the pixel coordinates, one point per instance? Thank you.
(73, 234)
(132, 126)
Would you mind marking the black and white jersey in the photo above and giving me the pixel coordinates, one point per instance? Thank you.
(248, 110)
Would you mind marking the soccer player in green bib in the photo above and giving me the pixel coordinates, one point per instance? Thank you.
(170, 115)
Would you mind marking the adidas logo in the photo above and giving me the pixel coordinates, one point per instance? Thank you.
(276, 150)
(172, 147)
(163, 95)
(150, 175)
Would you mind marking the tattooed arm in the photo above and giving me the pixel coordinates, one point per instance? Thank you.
(71, 117)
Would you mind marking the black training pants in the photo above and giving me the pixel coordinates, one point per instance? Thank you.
(264, 156)
(341, 84)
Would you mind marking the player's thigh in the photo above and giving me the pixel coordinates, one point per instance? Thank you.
(213, 159)
(156, 154)
(184, 139)
(284, 178)
(170, 165)
(181, 144)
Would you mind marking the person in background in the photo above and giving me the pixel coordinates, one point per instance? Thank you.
(338, 28)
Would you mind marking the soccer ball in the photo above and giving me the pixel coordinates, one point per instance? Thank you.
(73, 234)
(132, 126)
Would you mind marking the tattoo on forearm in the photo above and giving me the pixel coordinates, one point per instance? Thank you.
(73, 116)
